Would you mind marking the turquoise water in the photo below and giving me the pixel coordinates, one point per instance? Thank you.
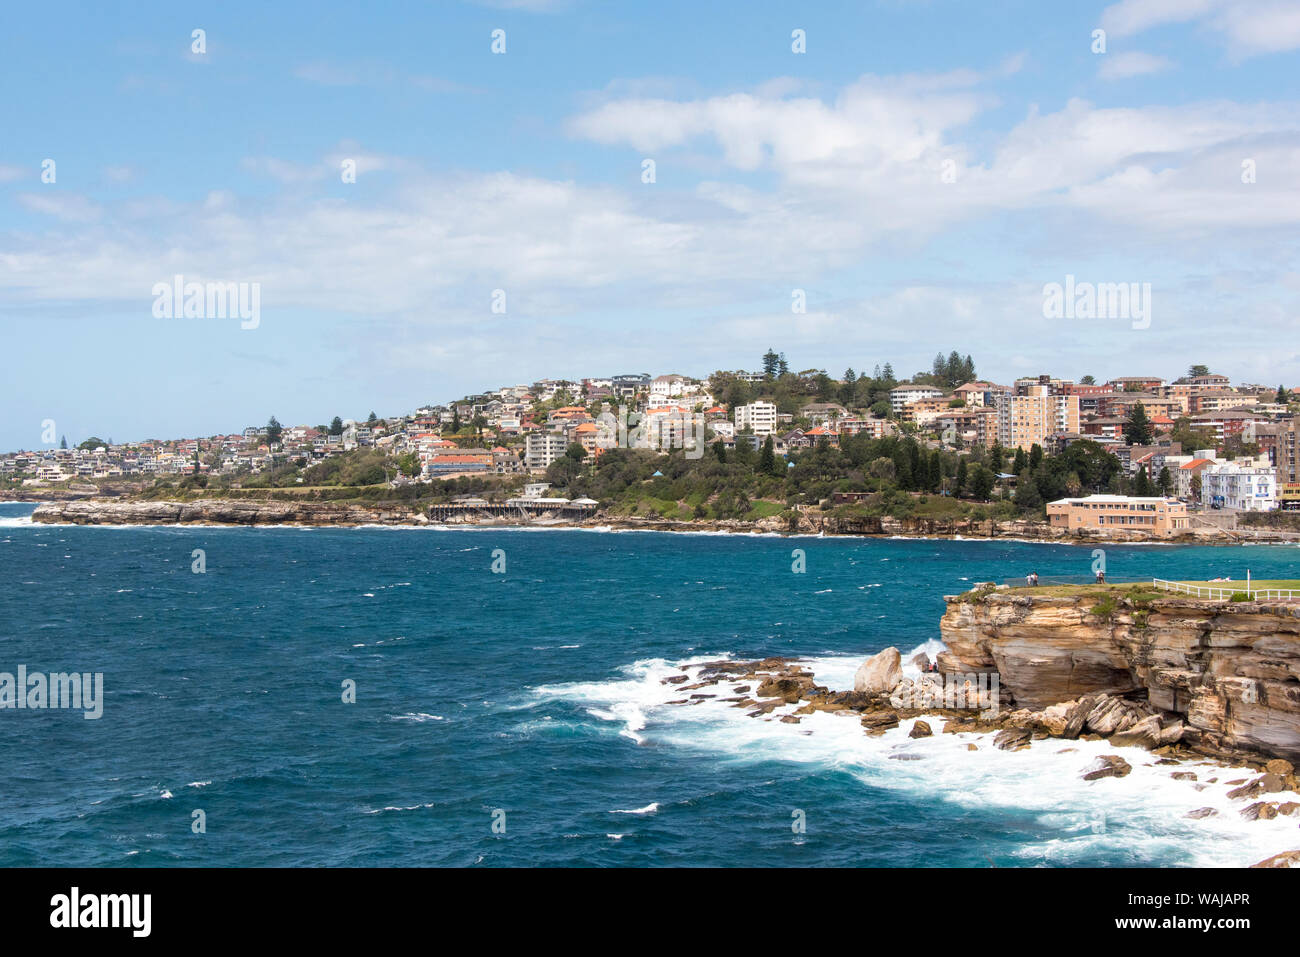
(530, 698)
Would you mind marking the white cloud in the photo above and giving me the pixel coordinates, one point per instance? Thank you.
(69, 207)
(1120, 66)
(1250, 27)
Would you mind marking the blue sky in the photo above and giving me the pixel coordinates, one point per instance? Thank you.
(774, 171)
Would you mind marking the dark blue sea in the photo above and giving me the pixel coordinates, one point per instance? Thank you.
(519, 719)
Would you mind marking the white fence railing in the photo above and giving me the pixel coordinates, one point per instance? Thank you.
(1207, 591)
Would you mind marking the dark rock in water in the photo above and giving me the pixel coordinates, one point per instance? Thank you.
(920, 730)
(1247, 790)
(877, 722)
(788, 689)
(1184, 775)
(701, 696)
(1012, 739)
(972, 747)
(1201, 812)
(1289, 808)
(1260, 811)
(922, 661)
(676, 679)
(789, 719)
(906, 757)
(1107, 766)
(1272, 783)
(742, 689)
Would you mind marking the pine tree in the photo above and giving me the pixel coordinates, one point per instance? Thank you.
(767, 458)
(771, 361)
(960, 483)
(1138, 431)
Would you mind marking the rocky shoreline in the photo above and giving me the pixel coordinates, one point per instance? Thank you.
(100, 511)
(1261, 787)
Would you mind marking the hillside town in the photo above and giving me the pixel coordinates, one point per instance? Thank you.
(1198, 440)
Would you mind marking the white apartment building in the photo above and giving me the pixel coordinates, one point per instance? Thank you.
(907, 393)
(1244, 487)
(760, 417)
(543, 448)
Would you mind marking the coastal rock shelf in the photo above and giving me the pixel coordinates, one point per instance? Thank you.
(1229, 672)
(224, 512)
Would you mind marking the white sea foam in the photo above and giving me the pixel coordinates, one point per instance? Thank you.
(648, 809)
(1142, 816)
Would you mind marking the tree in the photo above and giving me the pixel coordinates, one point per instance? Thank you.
(1087, 380)
(767, 458)
(1195, 372)
(1165, 481)
(981, 483)
(336, 426)
(1283, 397)
(960, 483)
(1027, 495)
(64, 443)
(1196, 488)
(1142, 487)
(1020, 462)
(782, 367)
(408, 463)
(273, 431)
(1138, 430)
(371, 419)
(997, 456)
(771, 362)
(575, 451)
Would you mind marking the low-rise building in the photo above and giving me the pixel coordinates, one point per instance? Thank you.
(1155, 515)
(1242, 487)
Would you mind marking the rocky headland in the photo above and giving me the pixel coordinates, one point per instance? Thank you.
(1183, 680)
(804, 521)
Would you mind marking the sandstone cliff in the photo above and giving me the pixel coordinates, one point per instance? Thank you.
(225, 512)
(1229, 670)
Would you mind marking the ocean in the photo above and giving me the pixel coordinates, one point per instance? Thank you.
(517, 717)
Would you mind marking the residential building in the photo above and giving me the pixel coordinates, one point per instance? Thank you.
(1027, 420)
(758, 417)
(1241, 487)
(905, 393)
(541, 449)
(1156, 515)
